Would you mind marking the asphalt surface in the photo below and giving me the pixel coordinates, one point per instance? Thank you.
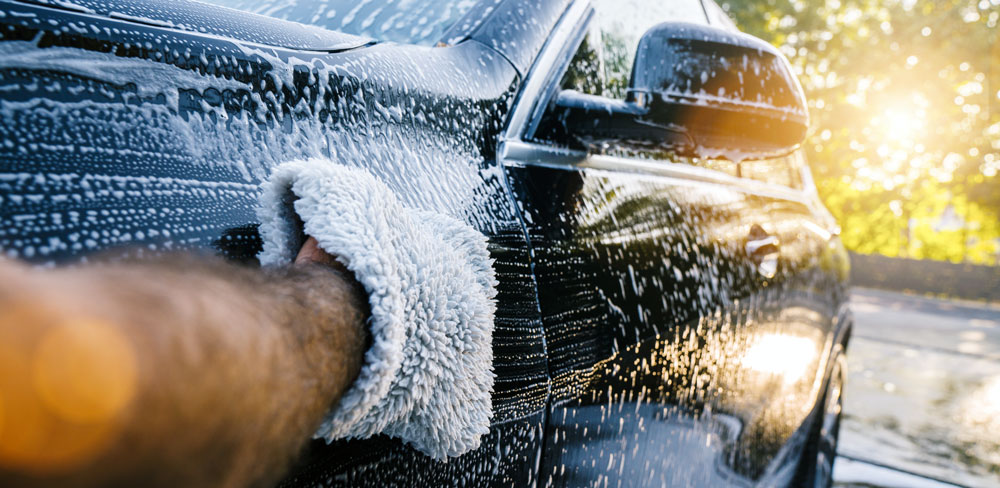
(922, 403)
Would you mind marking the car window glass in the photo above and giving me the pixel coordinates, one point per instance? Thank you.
(603, 63)
(584, 71)
(621, 23)
(404, 21)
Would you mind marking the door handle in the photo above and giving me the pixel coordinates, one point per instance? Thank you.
(763, 249)
(766, 245)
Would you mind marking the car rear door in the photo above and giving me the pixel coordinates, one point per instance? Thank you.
(685, 304)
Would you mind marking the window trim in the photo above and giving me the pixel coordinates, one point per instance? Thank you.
(521, 153)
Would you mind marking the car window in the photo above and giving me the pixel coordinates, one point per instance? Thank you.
(584, 73)
(619, 24)
(602, 65)
(404, 21)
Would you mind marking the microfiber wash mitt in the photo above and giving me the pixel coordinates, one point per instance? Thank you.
(427, 377)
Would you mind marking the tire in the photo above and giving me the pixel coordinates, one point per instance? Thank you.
(816, 465)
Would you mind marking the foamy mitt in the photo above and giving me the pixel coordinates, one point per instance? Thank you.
(428, 376)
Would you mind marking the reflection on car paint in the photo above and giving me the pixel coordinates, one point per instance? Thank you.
(647, 302)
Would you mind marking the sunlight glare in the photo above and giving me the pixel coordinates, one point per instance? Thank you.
(899, 126)
(782, 355)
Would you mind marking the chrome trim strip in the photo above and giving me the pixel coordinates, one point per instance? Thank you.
(516, 153)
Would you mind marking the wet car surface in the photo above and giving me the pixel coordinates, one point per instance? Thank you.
(663, 318)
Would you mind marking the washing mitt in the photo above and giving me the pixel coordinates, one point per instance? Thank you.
(427, 377)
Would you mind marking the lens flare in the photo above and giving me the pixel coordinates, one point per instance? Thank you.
(782, 355)
(901, 127)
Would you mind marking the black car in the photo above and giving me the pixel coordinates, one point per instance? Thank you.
(672, 306)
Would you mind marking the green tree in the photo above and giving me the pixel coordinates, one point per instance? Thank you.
(905, 107)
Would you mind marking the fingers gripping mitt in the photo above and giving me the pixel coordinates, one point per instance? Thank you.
(427, 377)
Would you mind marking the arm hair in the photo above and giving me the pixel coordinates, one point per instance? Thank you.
(227, 371)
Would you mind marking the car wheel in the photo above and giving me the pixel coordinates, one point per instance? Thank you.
(816, 469)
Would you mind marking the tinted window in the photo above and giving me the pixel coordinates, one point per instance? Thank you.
(603, 63)
(619, 24)
(584, 72)
(403, 21)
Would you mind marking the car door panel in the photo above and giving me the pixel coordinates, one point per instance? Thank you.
(687, 310)
(661, 331)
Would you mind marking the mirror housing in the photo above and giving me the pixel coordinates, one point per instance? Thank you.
(698, 91)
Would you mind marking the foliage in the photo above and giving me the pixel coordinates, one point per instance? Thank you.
(905, 106)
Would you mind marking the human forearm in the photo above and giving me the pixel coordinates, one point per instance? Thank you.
(203, 373)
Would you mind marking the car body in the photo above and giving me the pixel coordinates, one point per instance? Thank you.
(639, 338)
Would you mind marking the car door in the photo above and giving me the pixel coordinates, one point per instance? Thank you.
(686, 303)
(149, 125)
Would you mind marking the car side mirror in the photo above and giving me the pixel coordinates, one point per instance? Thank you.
(698, 91)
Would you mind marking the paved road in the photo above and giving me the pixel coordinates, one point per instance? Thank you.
(923, 393)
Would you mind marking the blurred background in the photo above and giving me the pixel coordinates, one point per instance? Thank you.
(905, 149)
(905, 140)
